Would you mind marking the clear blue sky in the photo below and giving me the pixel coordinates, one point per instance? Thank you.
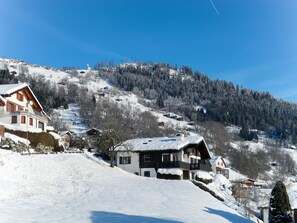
(252, 43)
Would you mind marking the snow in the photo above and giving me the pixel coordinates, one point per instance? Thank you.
(215, 159)
(159, 143)
(16, 139)
(233, 129)
(236, 176)
(71, 119)
(10, 88)
(50, 128)
(95, 85)
(221, 181)
(203, 175)
(172, 171)
(55, 135)
(72, 188)
(21, 128)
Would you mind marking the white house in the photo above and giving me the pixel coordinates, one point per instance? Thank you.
(168, 158)
(20, 108)
(218, 166)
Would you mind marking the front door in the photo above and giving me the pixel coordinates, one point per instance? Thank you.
(186, 175)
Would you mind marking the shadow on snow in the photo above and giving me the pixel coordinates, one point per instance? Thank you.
(228, 216)
(112, 217)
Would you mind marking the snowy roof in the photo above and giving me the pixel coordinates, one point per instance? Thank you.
(161, 143)
(7, 89)
(215, 159)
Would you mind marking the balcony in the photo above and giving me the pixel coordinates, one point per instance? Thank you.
(174, 164)
(201, 165)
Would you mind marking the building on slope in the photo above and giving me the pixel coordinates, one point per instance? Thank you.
(167, 158)
(219, 166)
(19, 107)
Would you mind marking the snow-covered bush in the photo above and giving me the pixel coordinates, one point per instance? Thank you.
(203, 176)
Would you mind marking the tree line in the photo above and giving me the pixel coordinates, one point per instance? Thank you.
(181, 90)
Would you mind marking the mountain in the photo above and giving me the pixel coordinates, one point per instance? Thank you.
(155, 99)
(180, 90)
(148, 100)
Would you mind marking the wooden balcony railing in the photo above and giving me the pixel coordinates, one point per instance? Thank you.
(201, 165)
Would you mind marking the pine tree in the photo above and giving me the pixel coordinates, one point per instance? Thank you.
(279, 210)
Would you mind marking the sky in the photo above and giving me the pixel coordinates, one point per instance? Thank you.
(252, 43)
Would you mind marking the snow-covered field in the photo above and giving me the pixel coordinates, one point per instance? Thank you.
(71, 188)
(75, 188)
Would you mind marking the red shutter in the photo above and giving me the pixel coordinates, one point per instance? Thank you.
(23, 119)
(31, 121)
(7, 106)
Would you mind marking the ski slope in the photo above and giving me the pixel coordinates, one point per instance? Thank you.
(75, 188)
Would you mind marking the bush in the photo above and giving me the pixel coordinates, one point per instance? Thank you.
(168, 176)
(203, 180)
(44, 138)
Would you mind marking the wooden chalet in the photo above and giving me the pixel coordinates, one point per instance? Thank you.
(168, 158)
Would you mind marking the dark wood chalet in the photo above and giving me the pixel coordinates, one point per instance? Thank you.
(168, 158)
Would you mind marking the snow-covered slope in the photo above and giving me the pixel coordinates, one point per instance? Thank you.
(94, 84)
(159, 210)
(74, 188)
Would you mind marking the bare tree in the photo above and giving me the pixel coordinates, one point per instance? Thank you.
(23, 69)
(57, 122)
(108, 142)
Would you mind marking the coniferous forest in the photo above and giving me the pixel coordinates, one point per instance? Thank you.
(199, 98)
(185, 92)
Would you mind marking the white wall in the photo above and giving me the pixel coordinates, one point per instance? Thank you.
(24, 103)
(6, 117)
(153, 172)
(134, 166)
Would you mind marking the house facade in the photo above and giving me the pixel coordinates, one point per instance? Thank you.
(219, 166)
(20, 108)
(167, 158)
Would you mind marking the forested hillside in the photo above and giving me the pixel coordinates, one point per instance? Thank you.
(199, 98)
(163, 89)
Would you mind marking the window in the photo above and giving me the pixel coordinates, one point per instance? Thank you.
(10, 107)
(14, 119)
(20, 97)
(166, 157)
(125, 159)
(23, 119)
(193, 160)
(147, 158)
(147, 173)
(31, 121)
(41, 125)
(175, 157)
